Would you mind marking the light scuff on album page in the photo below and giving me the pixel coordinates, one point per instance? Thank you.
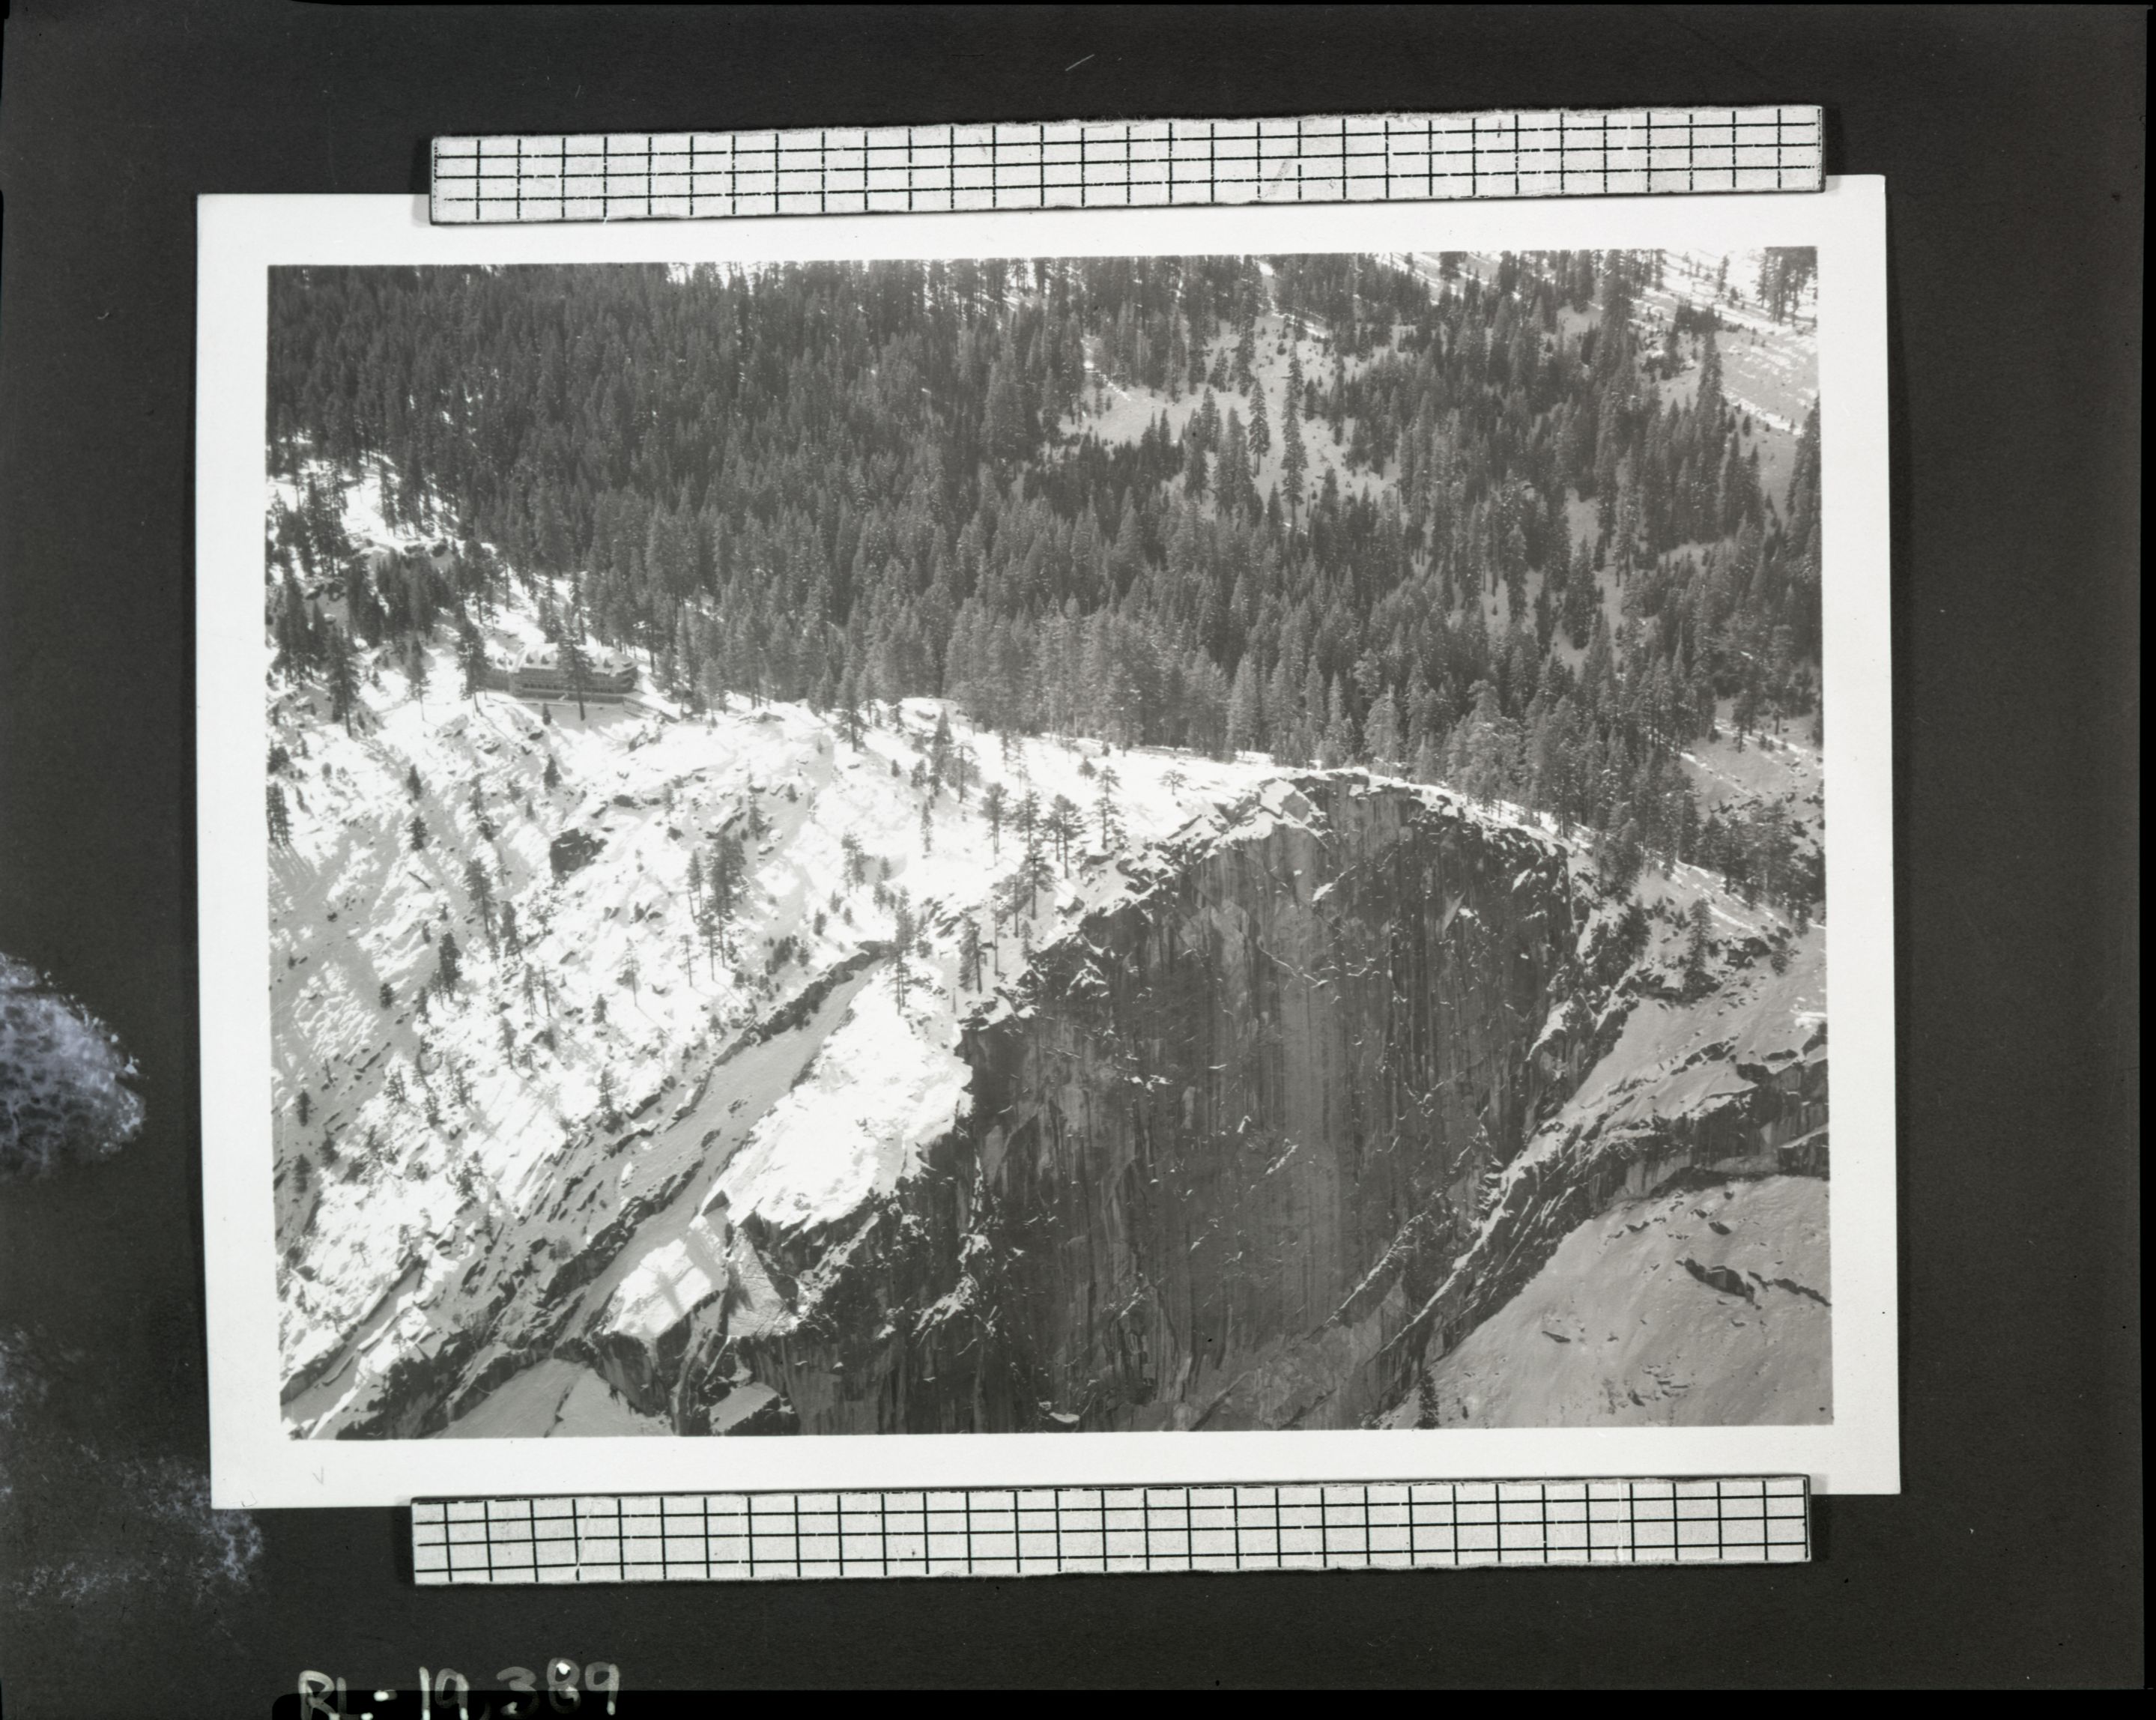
(1047, 848)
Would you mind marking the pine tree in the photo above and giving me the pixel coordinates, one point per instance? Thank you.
(724, 877)
(1035, 873)
(576, 671)
(969, 953)
(416, 831)
(1382, 734)
(471, 656)
(1245, 732)
(1064, 824)
(1112, 827)
(480, 888)
(1293, 462)
(905, 929)
(280, 819)
(713, 925)
(1701, 920)
(1745, 716)
(293, 642)
(1708, 405)
(939, 747)
(417, 669)
(1234, 488)
(450, 961)
(1127, 557)
(1487, 743)
(338, 674)
(1337, 744)
(993, 806)
(1622, 855)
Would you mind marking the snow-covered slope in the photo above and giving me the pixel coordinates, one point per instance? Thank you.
(599, 1157)
(1707, 1306)
(604, 1060)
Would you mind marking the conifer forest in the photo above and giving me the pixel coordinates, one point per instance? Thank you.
(1546, 554)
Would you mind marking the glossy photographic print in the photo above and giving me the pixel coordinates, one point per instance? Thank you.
(1214, 840)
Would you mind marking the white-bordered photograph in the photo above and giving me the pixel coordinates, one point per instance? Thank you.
(1158, 846)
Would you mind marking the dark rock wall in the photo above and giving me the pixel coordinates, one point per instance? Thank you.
(1255, 1149)
(1232, 1142)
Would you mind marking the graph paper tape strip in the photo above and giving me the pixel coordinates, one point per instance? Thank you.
(644, 176)
(698, 1537)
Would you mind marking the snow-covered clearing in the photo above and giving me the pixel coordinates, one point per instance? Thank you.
(1125, 411)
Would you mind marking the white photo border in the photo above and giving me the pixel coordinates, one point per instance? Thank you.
(255, 1464)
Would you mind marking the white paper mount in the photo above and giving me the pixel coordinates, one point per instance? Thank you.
(703, 1537)
(647, 176)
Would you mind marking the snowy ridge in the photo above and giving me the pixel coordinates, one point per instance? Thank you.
(425, 1143)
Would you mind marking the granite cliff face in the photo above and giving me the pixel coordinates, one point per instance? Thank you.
(1333, 1075)
(1258, 1146)
(1235, 1125)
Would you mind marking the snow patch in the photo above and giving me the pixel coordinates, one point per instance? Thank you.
(670, 1283)
(880, 1091)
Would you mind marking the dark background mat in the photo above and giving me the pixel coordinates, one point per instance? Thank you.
(2011, 140)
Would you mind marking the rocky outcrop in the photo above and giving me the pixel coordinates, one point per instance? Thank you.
(1731, 1085)
(1251, 1145)
(572, 851)
(1255, 1148)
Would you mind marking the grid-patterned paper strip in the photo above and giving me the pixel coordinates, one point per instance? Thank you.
(701, 1537)
(643, 176)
